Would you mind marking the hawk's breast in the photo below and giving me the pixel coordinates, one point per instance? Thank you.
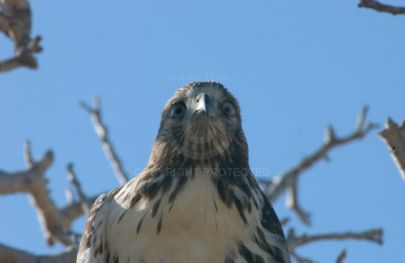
(197, 226)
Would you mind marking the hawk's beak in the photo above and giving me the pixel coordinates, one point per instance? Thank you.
(202, 100)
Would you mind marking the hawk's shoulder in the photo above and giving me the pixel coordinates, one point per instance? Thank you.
(93, 246)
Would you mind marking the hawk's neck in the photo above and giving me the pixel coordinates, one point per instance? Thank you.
(229, 172)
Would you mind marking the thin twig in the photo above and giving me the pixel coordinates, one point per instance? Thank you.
(102, 132)
(341, 256)
(28, 154)
(69, 196)
(294, 204)
(384, 8)
(294, 241)
(373, 235)
(288, 180)
(76, 184)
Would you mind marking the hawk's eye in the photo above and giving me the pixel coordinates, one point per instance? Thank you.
(178, 110)
(228, 109)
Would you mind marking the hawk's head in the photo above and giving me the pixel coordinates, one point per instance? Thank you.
(201, 122)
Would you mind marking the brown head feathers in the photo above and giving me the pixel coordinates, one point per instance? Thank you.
(200, 127)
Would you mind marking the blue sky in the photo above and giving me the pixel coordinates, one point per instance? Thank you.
(296, 67)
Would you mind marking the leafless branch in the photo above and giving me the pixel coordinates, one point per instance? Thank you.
(394, 137)
(28, 154)
(379, 7)
(76, 184)
(33, 181)
(15, 23)
(102, 132)
(69, 196)
(373, 235)
(341, 256)
(289, 179)
(13, 255)
(55, 222)
(294, 241)
(293, 202)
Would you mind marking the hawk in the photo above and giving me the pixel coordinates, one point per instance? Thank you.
(196, 201)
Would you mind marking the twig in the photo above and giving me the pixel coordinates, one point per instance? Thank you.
(102, 132)
(294, 241)
(76, 184)
(293, 202)
(69, 196)
(379, 7)
(13, 255)
(15, 23)
(341, 256)
(394, 137)
(288, 180)
(373, 235)
(28, 154)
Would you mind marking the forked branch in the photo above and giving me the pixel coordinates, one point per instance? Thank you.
(294, 241)
(289, 180)
(15, 23)
(55, 222)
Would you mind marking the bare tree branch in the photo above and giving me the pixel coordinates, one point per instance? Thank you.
(341, 256)
(294, 241)
(288, 180)
(69, 196)
(54, 222)
(102, 132)
(373, 235)
(28, 154)
(15, 23)
(379, 7)
(293, 202)
(33, 181)
(13, 255)
(394, 137)
(76, 184)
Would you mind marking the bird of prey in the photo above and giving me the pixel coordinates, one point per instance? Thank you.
(196, 201)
